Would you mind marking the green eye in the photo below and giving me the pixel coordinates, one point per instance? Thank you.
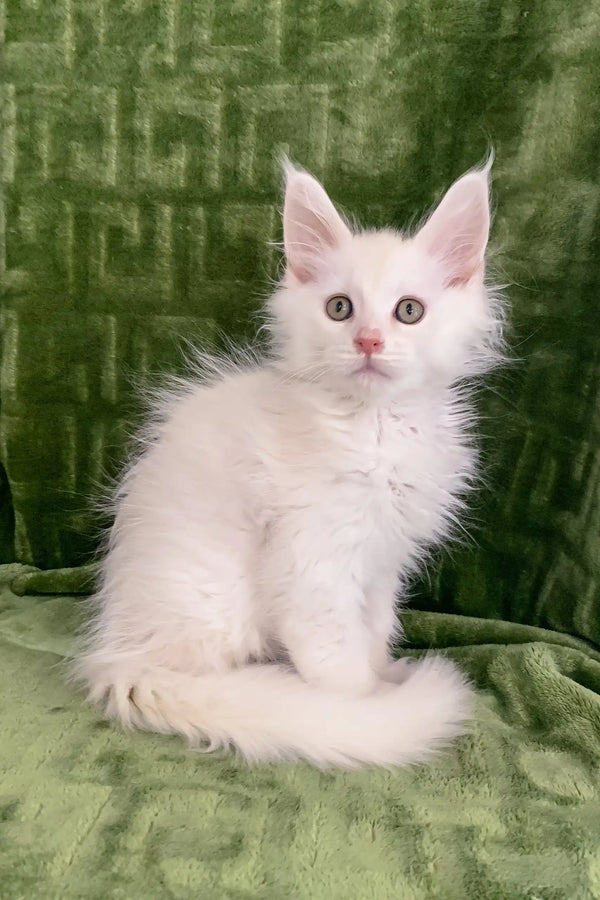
(409, 310)
(339, 307)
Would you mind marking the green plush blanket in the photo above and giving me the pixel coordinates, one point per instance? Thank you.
(512, 812)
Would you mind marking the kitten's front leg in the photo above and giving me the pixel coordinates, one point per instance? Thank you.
(385, 629)
(329, 647)
(318, 605)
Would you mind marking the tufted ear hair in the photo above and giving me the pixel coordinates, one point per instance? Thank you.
(456, 233)
(311, 224)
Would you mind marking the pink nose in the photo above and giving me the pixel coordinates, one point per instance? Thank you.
(369, 341)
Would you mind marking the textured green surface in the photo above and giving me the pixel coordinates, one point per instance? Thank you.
(512, 812)
(140, 188)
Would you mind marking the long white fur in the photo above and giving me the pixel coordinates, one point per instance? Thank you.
(248, 592)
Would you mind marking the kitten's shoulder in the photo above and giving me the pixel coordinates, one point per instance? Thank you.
(233, 388)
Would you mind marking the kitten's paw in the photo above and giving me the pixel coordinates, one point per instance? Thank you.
(396, 671)
(358, 681)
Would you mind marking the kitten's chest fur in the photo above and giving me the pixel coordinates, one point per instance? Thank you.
(396, 474)
(385, 460)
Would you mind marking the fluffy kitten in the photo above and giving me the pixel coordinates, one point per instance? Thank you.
(248, 595)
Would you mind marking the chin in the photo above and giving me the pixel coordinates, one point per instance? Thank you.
(370, 369)
(370, 384)
(371, 376)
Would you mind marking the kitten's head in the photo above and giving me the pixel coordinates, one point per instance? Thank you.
(374, 313)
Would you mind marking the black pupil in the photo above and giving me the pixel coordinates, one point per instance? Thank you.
(339, 306)
(409, 309)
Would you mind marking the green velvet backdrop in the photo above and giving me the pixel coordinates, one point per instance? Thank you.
(140, 189)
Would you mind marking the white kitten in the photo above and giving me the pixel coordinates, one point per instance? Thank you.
(248, 591)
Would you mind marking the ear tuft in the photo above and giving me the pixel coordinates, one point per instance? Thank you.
(311, 224)
(457, 231)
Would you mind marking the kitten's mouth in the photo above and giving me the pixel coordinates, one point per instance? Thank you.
(370, 368)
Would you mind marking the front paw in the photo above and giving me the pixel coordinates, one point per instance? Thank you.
(355, 681)
(396, 671)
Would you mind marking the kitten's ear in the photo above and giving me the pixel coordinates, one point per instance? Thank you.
(311, 223)
(457, 231)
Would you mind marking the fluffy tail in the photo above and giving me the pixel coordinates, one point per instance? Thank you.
(269, 713)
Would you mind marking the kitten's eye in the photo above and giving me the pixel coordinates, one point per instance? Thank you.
(409, 310)
(339, 307)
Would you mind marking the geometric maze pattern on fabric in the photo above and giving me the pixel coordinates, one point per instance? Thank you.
(509, 812)
(140, 188)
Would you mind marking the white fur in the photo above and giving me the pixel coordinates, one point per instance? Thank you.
(260, 538)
